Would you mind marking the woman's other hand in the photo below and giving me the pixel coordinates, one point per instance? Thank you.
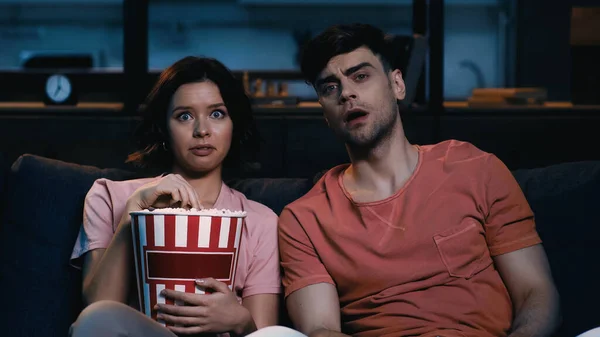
(216, 312)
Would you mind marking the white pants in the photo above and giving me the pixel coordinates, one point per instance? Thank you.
(279, 331)
(276, 331)
(591, 333)
(111, 319)
(107, 318)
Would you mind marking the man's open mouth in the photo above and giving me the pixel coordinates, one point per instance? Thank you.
(355, 114)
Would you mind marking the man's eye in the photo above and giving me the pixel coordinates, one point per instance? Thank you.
(327, 89)
(361, 77)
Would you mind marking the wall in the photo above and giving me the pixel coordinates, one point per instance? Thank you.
(245, 37)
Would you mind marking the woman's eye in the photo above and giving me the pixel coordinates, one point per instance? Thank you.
(186, 116)
(218, 114)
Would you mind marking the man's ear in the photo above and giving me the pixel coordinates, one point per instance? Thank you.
(398, 84)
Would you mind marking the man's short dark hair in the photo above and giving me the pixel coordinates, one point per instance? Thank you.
(342, 39)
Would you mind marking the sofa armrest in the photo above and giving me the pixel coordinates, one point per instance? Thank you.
(43, 210)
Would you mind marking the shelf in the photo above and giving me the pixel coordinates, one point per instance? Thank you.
(100, 109)
(548, 109)
(398, 3)
(61, 2)
(310, 109)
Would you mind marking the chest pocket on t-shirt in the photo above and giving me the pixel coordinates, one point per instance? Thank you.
(463, 249)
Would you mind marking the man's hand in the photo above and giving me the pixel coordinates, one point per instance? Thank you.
(217, 312)
(526, 274)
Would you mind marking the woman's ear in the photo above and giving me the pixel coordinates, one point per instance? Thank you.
(398, 84)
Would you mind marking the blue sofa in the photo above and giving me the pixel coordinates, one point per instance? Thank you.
(41, 211)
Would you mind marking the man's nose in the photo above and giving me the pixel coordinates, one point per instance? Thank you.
(348, 92)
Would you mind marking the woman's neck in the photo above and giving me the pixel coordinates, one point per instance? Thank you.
(207, 185)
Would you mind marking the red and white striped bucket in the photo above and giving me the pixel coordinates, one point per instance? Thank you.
(173, 248)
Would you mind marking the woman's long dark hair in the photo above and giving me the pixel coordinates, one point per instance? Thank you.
(153, 154)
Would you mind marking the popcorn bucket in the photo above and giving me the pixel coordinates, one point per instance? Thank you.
(175, 247)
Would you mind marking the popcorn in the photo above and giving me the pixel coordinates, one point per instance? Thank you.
(173, 247)
(193, 211)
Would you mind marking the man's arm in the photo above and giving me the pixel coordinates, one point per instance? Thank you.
(315, 310)
(526, 274)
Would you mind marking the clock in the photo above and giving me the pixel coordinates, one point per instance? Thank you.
(59, 90)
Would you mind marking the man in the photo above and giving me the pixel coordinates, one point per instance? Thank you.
(407, 240)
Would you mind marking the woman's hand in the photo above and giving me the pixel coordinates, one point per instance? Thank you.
(168, 191)
(216, 312)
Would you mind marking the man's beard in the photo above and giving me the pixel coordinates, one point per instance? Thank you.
(380, 130)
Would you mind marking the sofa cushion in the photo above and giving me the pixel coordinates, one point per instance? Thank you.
(43, 213)
(565, 199)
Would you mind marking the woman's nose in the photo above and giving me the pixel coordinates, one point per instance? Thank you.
(201, 129)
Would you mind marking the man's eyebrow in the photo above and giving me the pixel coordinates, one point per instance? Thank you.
(357, 67)
(347, 72)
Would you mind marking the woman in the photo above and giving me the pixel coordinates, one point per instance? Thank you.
(196, 119)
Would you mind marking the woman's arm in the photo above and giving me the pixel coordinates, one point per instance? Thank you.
(264, 309)
(107, 272)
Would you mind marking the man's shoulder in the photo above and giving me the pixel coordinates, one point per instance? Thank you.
(455, 152)
(313, 197)
(318, 195)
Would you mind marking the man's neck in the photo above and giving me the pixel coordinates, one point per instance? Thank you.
(207, 186)
(380, 172)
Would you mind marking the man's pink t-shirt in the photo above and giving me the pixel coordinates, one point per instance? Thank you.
(258, 263)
